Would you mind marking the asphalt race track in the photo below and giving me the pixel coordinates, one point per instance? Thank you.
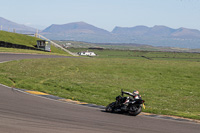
(25, 113)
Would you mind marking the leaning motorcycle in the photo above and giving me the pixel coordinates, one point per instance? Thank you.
(132, 106)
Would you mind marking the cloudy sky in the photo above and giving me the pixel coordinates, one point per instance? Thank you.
(104, 14)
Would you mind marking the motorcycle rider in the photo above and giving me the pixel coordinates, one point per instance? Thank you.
(132, 104)
(134, 95)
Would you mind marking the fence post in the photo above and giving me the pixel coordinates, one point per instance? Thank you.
(36, 34)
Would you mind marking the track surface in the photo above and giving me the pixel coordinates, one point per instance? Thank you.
(24, 113)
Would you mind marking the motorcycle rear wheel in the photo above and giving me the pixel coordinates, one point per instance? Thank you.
(136, 112)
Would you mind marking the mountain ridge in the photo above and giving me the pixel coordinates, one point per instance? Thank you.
(12, 26)
(157, 35)
(158, 30)
(81, 26)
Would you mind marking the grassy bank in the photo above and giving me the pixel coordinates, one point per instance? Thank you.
(55, 51)
(168, 86)
(26, 40)
(16, 38)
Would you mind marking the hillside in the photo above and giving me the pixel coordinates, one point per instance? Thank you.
(16, 38)
(79, 31)
(138, 30)
(78, 27)
(157, 31)
(160, 36)
(8, 25)
(155, 36)
(26, 40)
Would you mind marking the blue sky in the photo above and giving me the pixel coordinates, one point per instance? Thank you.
(104, 14)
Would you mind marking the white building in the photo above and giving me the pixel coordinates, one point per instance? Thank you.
(87, 53)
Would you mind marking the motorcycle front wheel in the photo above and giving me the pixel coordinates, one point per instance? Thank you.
(109, 108)
(134, 110)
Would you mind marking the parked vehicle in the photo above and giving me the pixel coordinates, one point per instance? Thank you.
(132, 105)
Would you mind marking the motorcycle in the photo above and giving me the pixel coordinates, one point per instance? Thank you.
(132, 106)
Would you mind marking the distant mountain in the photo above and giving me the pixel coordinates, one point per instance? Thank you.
(133, 31)
(155, 36)
(8, 25)
(79, 31)
(77, 27)
(159, 31)
(160, 36)
(186, 33)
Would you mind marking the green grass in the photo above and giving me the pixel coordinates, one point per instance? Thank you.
(30, 41)
(124, 46)
(16, 38)
(169, 87)
(134, 54)
(13, 50)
